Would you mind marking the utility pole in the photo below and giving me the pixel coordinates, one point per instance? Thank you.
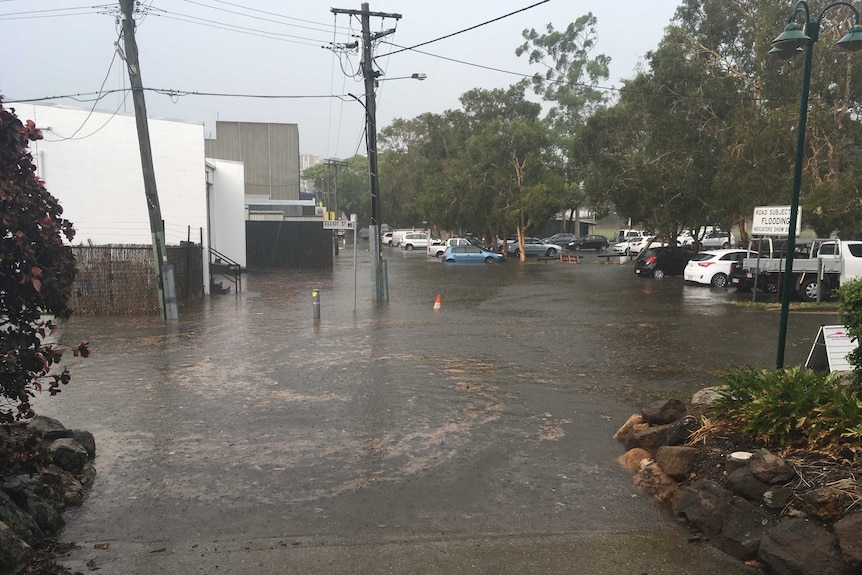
(164, 271)
(378, 269)
(336, 164)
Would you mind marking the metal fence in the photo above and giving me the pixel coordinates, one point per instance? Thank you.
(120, 280)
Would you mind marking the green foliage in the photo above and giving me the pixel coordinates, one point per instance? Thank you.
(850, 307)
(36, 271)
(791, 407)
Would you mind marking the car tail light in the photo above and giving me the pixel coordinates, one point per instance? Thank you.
(705, 264)
(651, 260)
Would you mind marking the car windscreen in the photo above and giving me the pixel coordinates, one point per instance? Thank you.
(702, 256)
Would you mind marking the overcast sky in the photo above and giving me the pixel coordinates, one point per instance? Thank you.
(274, 48)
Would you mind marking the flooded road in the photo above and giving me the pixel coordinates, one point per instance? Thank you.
(248, 438)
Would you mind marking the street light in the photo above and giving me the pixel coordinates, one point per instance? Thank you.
(801, 38)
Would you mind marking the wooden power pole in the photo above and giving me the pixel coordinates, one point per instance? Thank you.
(378, 277)
(164, 271)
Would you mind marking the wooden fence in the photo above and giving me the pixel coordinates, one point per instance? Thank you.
(120, 280)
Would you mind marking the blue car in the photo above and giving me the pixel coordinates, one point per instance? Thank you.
(471, 254)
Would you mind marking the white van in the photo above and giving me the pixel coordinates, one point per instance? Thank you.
(626, 235)
(397, 235)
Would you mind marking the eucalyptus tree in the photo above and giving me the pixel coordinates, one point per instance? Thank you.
(570, 84)
(352, 186)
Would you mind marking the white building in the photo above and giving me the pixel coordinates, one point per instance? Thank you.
(91, 163)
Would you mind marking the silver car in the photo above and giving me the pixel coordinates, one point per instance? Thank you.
(533, 247)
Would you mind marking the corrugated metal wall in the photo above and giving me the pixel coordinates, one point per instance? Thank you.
(270, 153)
(288, 245)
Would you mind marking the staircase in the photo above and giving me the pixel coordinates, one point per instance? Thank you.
(223, 269)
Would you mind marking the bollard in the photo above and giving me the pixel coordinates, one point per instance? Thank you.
(315, 303)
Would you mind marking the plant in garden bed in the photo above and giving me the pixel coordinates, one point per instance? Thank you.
(850, 306)
(792, 407)
(36, 273)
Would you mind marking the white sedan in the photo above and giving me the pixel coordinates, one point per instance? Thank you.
(626, 247)
(712, 267)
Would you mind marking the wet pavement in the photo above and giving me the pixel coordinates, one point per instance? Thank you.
(249, 438)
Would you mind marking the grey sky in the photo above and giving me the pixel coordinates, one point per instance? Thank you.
(65, 47)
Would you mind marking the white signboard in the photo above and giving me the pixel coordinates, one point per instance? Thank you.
(774, 221)
(830, 349)
(338, 225)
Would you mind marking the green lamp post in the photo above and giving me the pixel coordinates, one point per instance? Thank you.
(801, 38)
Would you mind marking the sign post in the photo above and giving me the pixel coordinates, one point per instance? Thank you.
(346, 225)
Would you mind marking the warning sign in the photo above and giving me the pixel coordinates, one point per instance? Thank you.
(774, 221)
(830, 349)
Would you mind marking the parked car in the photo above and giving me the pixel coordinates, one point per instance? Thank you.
(684, 239)
(625, 235)
(625, 247)
(715, 240)
(437, 250)
(534, 247)
(662, 261)
(638, 246)
(591, 242)
(413, 240)
(713, 267)
(471, 253)
(560, 239)
(386, 239)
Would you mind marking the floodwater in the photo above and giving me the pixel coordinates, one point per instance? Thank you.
(249, 438)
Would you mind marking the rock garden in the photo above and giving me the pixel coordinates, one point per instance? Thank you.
(782, 510)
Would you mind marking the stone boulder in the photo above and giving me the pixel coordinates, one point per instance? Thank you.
(68, 454)
(848, 531)
(13, 550)
(632, 458)
(798, 547)
(743, 482)
(703, 504)
(635, 421)
(663, 411)
(706, 397)
(49, 428)
(826, 503)
(656, 436)
(742, 529)
(675, 460)
(653, 481)
(770, 468)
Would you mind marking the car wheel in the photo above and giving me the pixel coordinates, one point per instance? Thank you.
(409, 247)
(809, 290)
(719, 280)
(551, 252)
(771, 287)
(628, 252)
(449, 260)
(725, 245)
(658, 274)
(489, 260)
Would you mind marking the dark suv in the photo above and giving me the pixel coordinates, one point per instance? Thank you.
(593, 242)
(660, 262)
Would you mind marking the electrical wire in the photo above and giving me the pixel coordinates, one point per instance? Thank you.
(469, 29)
(318, 29)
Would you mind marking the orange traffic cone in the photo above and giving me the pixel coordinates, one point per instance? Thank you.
(437, 302)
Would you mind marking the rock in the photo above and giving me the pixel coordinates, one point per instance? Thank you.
(778, 497)
(13, 550)
(46, 516)
(653, 481)
(656, 436)
(68, 454)
(848, 531)
(663, 411)
(798, 547)
(770, 468)
(72, 490)
(21, 523)
(744, 483)
(15, 486)
(706, 397)
(826, 503)
(744, 525)
(703, 504)
(623, 432)
(87, 441)
(632, 458)
(50, 428)
(675, 461)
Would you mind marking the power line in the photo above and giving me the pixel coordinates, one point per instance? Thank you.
(233, 27)
(322, 28)
(468, 29)
(174, 93)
